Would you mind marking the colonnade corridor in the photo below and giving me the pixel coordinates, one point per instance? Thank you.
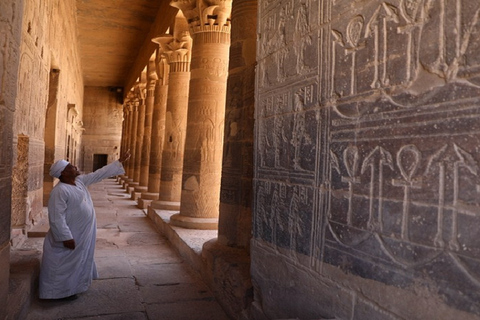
(141, 275)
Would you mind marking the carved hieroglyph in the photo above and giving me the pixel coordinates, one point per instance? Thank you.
(209, 23)
(379, 140)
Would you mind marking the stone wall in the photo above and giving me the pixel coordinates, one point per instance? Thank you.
(367, 166)
(46, 27)
(103, 116)
(10, 34)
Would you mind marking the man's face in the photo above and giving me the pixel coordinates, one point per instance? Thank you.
(70, 171)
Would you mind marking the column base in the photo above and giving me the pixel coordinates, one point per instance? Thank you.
(141, 189)
(129, 186)
(137, 192)
(150, 195)
(194, 223)
(126, 181)
(166, 205)
(143, 203)
(146, 199)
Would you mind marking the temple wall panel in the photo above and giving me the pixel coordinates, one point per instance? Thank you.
(10, 33)
(367, 166)
(45, 27)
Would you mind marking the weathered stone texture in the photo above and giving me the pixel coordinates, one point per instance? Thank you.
(4, 277)
(367, 137)
(237, 167)
(20, 205)
(42, 48)
(10, 33)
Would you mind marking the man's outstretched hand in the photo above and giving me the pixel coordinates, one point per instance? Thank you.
(125, 156)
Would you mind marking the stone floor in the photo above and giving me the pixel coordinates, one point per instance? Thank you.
(141, 275)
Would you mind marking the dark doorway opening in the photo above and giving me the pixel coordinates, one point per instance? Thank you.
(99, 160)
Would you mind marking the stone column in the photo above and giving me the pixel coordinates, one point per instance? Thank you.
(133, 139)
(151, 79)
(158, 129)
(234, 228)
(128, 145)
(139, 90)
(231, 251)
(177, 49)
(210, 29)
(124, 140)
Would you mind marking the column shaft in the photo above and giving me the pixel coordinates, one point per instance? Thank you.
(133, 141)
(202, 164)
(147, 127)
(234, 227)
(158, 131)
(139, 141)
(178, 52)
(161, 92)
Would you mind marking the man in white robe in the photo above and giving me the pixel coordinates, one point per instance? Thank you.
(68, 265)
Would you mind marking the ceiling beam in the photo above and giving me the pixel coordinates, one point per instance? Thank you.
(165, 19)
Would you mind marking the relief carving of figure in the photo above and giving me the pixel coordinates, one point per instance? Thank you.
(299, 134)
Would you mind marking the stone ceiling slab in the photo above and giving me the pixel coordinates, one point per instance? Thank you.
(111, 33)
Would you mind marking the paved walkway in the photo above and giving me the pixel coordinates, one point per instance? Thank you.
(141, 275)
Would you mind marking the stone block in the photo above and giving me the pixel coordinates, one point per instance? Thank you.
(228, 272)
(143, 203)
(289, 285)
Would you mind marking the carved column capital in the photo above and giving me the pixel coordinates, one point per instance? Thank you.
(152, 76)
(177, 51)
(161, 63)
(140, 92)
(206, 15)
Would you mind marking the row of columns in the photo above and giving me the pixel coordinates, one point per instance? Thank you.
(174, 117)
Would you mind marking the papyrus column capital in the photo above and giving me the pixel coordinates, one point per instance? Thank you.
(206, 15)
(176, 50)
(152, 76)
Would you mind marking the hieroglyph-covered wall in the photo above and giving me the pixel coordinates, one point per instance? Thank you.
(10, 34)
(48, 42)
(367, 177)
